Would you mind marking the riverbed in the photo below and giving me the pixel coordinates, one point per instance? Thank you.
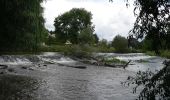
(47, 77)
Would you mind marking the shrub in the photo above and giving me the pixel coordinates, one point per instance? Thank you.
(120, 44)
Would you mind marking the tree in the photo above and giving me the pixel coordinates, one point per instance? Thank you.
(96, 38)
(132, 42)
(156, 86)
(147, 45)
(103, 43)
(120, 44)
(22, 25)
(69, 25)
(86, 36)
(153, 21)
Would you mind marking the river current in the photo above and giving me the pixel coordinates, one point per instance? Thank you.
(47, 77)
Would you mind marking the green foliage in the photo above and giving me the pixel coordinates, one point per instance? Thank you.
(147, 45)
(70, 50)
(165, 53)
(96, 38)
(120, 44)
(132, 42)
(55, 48)
(152, 21)
(114, 60)
(80, 51)
(151, 53)
(50, 40)
(70, 24)
(142, 61)
(103, 43)
(86, 36)
(22, 25)
(157, 86)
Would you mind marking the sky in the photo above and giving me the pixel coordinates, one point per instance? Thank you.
(109, 18)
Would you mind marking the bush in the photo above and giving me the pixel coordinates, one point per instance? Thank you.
(120, 44)
(80, 51)
(114, 60)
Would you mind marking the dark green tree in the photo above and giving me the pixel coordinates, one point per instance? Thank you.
(103, 43)
(152, 20)
(69, 25)
(22, 25)
(96, 38)
(120, 44)
(147, 45)
(86, 36)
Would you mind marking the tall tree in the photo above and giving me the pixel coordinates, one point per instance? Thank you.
(152, 20)
(69, 25)
(96, 38)
(22, 25)
(86, 36)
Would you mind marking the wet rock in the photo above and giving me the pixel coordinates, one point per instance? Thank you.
(166, 62)
(1, 72)
(80, 67)
(39, 65)
(27, 67)
(11, 70)
(3, 66)
(60, 64)
(142, 61)
(45, 65)
(33, 58)
(49, 62)
(24, 67)
(31, 69)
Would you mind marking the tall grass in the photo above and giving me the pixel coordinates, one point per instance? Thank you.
(164, 53)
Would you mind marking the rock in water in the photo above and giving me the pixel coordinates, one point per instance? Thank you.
(80, 67)
(3, 66)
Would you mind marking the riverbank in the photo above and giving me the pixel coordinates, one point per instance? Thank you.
(163, 53)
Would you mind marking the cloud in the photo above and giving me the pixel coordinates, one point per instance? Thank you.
(109, 19)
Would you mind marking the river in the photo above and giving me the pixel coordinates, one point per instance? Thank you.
(47, 77)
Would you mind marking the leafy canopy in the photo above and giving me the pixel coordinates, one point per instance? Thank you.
(22, 25)
(152, 20)
(86, 36)
(120, 44)
(69, 25)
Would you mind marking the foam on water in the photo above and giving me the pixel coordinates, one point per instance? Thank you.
(92, 83)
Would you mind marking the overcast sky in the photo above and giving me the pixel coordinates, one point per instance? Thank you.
(109, 18)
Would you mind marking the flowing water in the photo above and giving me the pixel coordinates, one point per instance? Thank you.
(49, 77)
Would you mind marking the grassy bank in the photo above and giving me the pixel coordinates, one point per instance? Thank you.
(114, 60)
(67, 48)
(19, 53)
(164, 53)
(71, 50)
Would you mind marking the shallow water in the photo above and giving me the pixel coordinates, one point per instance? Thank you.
(60, 82)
